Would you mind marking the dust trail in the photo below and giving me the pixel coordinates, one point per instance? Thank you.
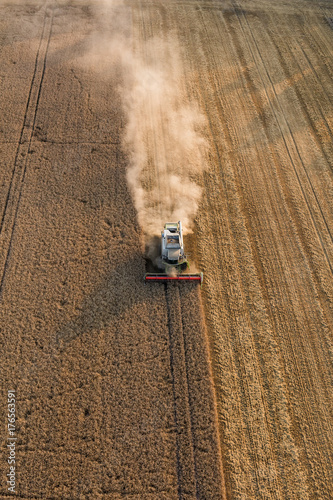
(163, 134)
(164, 140)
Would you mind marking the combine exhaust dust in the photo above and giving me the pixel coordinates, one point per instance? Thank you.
(163, 133)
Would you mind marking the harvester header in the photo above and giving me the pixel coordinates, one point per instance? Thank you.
(178, 277)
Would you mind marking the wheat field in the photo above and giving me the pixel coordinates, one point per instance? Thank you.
(162, 391)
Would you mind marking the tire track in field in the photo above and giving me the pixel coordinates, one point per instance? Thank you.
(281, 120)
(288, 60)
(322, 46)
(306, 69)
(313, 426)
(199, 465)
(12, 202)
(306, 238)
(186, 472)
(305, 389)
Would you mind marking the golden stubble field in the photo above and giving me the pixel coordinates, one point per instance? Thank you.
(129, 390)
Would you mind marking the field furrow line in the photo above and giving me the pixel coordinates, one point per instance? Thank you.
(186, 474)
(7, 225)
(22, 133)
(290, 145)
(313, 423)
(321, 48)
(311, 103)
(290, 56)
(202, 403)
(311, 117)
(291, 198)
(326, 98)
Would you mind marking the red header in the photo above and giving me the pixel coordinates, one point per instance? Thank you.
(177, 278)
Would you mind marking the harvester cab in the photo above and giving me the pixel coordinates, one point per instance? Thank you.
(172, 247)
(173, 259)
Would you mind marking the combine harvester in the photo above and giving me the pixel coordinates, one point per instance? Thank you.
(173, 259)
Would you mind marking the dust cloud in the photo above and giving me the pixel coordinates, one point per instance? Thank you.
(163, 133)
